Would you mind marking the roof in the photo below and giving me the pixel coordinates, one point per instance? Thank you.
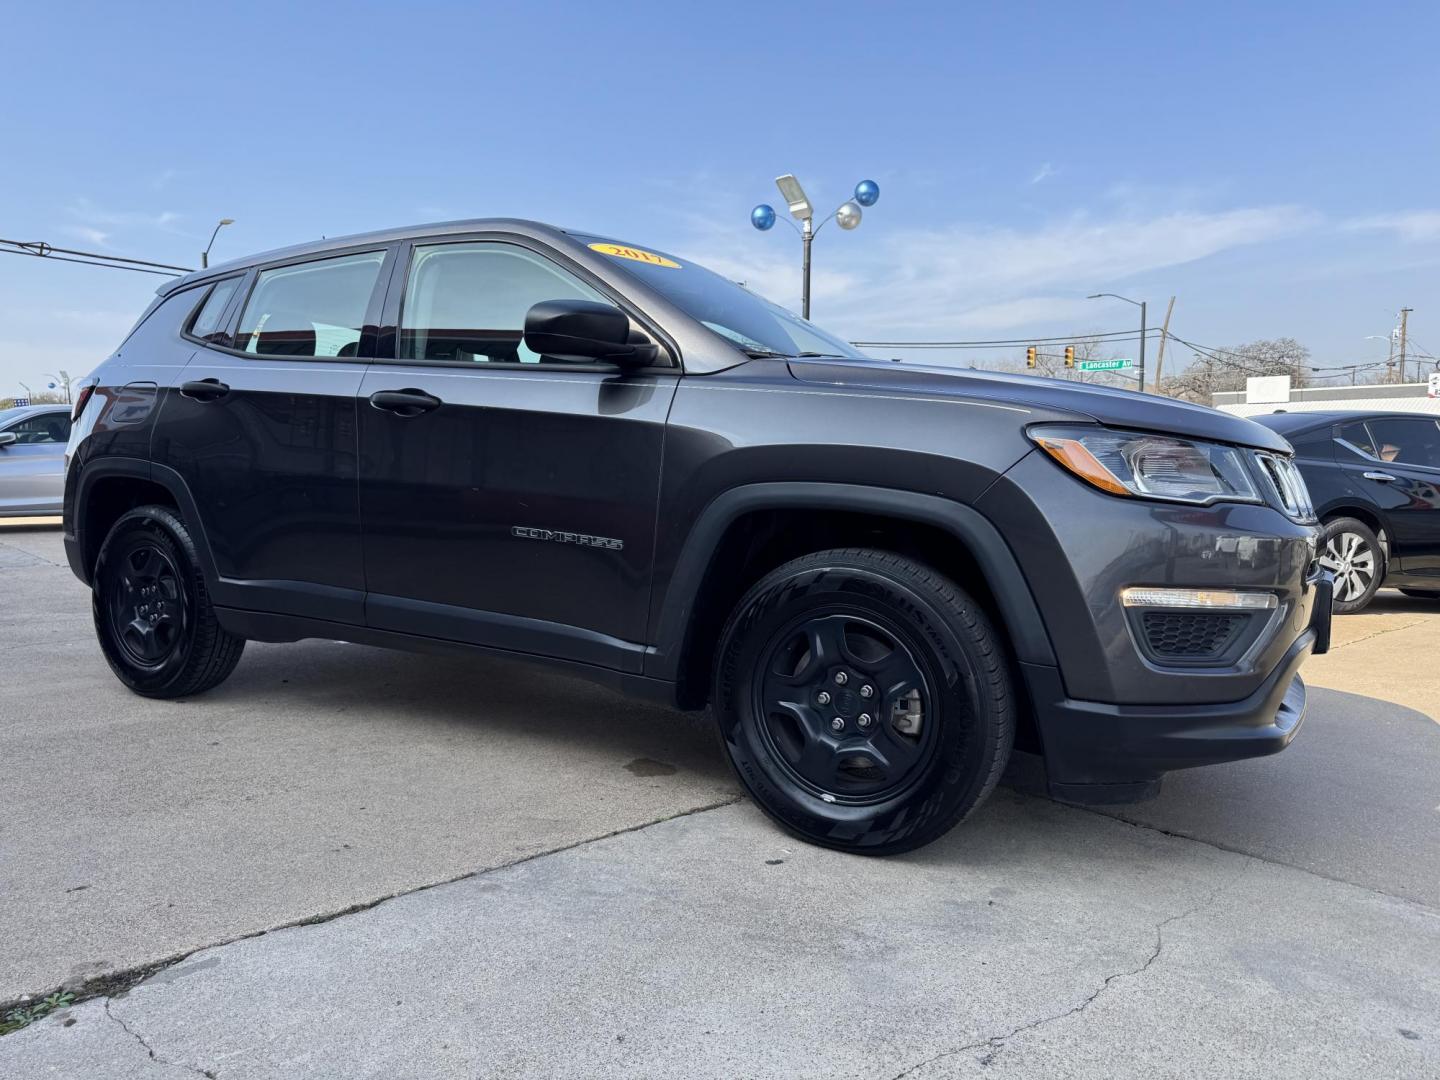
(536, 229)
(1285, 419)
(31, 410)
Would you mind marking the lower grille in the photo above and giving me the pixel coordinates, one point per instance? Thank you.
(1190, 636)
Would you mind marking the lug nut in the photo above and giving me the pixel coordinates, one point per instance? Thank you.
(841, 678)
(823, 697)
(837, 724)
(867, 691)
(864, 720)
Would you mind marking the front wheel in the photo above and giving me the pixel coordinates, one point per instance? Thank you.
(863, 700)
(1350, 550)
(153, 616)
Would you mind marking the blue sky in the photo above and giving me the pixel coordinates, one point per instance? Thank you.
(1273, 165)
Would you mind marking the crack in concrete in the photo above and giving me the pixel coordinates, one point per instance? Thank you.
(996, 1043)
(151, 1050)
(114, 983)
(1377, 633)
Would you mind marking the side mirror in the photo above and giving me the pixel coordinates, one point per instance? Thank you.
(582, 330)
(7, 438)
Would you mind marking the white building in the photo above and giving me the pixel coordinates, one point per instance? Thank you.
(1271, 393)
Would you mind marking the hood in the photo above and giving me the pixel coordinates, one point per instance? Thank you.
(1114, 408)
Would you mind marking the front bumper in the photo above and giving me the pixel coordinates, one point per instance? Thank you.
(1101, 753)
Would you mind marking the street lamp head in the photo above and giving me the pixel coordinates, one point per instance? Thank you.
(795, 197)
(227, 221)
(1095, 296)
(763, 216)
(867, 193)
(848, 216)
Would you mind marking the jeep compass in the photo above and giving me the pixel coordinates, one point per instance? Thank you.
(508, 438)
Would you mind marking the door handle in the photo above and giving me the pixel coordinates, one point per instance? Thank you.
(204, 390)
(406, 402)
(1383, 477)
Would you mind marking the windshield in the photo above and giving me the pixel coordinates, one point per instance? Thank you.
(731, 310)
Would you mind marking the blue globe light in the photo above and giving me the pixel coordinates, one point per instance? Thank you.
(763, 216)
(867, 193)
(50, 386)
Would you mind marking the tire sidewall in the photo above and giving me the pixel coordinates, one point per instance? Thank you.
(959, 765)
(157, 526)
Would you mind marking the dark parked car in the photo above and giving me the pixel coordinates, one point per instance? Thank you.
(1375, 481)
(32, 459)
(504, 437)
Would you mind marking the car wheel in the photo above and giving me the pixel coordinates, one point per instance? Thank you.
(153, 616)
(1350, 550)
(863, 700)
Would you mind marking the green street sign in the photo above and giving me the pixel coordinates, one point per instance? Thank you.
(1102, 365)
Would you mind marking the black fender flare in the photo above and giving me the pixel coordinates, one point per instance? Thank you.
(1022, 622)
(109, 468)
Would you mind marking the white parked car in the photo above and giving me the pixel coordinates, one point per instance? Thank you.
(32, 459)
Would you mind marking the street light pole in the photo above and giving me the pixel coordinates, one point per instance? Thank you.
(847, 215)
(807, 236)
(1142, 346)
(1140, 367)
(205, 255)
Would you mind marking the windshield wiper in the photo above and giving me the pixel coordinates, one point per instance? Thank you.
(834, 355)
(765, 354)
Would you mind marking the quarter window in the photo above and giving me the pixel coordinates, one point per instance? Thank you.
(311, 309)
(466, 303)
(207, 320)
(1354, 437)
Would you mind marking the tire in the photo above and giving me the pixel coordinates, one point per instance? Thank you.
(1350, 550)
(940, 706)
(153, 615)
(1422, 594)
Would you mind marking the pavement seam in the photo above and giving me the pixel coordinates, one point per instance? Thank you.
(996, 1043)
(117, 983)
(1375, 634)
(1424, 907)
(151, 1050)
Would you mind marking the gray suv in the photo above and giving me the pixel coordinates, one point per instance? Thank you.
(497, 436)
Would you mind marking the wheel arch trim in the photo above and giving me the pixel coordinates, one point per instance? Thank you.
(1024, 627)
(111, 468)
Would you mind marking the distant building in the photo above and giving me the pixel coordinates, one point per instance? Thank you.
(1271, 393)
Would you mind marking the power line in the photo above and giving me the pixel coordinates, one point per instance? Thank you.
(41, 250)
(1059, 339)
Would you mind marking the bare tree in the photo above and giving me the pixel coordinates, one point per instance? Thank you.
(1221, 370)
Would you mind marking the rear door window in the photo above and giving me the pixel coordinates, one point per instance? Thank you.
(310, 309)
(1406, 441)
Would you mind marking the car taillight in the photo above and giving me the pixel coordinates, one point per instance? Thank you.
(81, 400)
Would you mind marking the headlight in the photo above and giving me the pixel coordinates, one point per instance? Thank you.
(1149, 466)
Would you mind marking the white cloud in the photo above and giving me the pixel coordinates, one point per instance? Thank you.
(1414, 227)
(977, 279)
(90, 213)
(88, 233)
(1045, 171)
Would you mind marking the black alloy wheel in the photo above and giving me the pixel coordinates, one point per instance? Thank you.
(153, 616)
(863, 700)
(843, 704)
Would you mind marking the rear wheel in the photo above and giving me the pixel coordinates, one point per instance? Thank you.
(153, 616)
(1350, 550)
(863, 700)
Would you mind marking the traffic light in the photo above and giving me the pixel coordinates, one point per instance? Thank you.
(1069, 355)
(1030, 356)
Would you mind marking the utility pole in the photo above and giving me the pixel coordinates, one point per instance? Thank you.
(1404, 311)
(1164, 333)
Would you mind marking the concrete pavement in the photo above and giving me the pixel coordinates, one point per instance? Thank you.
(1269, 918)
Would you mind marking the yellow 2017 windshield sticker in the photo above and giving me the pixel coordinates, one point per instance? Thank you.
(620, 251)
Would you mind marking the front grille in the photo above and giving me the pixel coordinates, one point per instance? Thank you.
(1288, 485)
(1188, 636)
